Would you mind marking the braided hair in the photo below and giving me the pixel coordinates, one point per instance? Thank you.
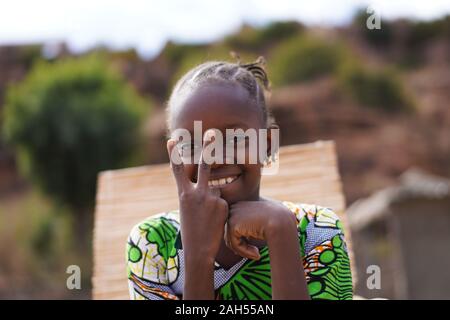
(250, 76)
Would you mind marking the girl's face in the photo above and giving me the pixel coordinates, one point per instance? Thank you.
(223, 107)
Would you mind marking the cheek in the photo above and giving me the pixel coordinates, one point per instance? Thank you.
(247, 155)
(254, 156)
(255, 153)
(252, 173)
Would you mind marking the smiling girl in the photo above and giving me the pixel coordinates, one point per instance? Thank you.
(225, 241)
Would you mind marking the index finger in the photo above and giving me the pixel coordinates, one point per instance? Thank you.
(177, 166)
(204, 169)
(236, 241)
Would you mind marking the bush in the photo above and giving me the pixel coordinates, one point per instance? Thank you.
(37, 237)
(302, 59)
(378, 89)
(175, 53)
(29, 54)
(382, 37)
(418, 35)
(255, 39)
(423, 31)
(69, 120)
(219, 52)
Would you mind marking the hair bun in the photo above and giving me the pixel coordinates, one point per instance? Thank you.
(256, 68)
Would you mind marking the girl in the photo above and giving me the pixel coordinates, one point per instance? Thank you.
(226, 241)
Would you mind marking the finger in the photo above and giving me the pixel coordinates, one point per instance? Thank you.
(216, 192)
(240, 245)
(204, 169)
(227, 237)
(177, 166)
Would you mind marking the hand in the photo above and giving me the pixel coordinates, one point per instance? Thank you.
(203, 213)
(261, 220)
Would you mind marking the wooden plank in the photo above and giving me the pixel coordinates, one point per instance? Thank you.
(307, 173)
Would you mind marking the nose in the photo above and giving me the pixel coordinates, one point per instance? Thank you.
(222, 160)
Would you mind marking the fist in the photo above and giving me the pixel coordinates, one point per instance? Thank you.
(260, 220)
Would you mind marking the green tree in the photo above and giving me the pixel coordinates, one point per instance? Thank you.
(253, 39)
(381, 38)
(303, 58)
(70, 119)
(382, 89)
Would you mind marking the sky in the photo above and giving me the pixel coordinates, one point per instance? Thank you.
(147, 24)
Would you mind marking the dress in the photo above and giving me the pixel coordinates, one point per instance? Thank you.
(155, 260)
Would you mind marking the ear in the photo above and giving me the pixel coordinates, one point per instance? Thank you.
(168, 146)
(269, 139)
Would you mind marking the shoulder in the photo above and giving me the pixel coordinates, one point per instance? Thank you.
(150, 250)
(316, 223)
(321, 216)
(325, 256)
(163, 224)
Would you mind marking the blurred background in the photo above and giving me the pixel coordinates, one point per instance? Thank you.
(83, 87)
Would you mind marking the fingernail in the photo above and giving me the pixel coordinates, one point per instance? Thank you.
(209, 134)
(171, 142)
(254, 257)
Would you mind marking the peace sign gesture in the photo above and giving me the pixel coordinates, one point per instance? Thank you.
(203, 213)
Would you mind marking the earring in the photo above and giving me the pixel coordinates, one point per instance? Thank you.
(269, 160)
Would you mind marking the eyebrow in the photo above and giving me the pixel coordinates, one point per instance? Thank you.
(233, 125)
(236, 125)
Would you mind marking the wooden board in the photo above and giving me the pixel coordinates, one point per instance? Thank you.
(307, 173)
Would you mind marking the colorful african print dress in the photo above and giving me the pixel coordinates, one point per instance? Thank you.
(155, 260)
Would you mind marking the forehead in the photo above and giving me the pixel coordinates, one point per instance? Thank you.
(218, 106)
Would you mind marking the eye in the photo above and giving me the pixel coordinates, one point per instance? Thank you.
(188, 147)
(241, 138)
(237, 139)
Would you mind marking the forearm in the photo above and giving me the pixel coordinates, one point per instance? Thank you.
(198, 278)
(288, 276)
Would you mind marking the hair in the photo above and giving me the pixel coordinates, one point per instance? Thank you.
(250, 76)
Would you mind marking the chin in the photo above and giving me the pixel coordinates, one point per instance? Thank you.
(232, 196)
(238, 189)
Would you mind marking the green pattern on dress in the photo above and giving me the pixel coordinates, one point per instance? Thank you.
(252, 282)
(333, 280)
(162, 233)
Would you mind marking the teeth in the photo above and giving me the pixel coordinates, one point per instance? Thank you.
(222, 181)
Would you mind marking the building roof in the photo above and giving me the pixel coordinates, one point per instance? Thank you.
(413, 184)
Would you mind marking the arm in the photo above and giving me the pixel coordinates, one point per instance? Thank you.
(288, 275)
(327, 264)
(273, 222)
(199, 277)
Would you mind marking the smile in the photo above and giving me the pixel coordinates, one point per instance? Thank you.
(222, 182)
